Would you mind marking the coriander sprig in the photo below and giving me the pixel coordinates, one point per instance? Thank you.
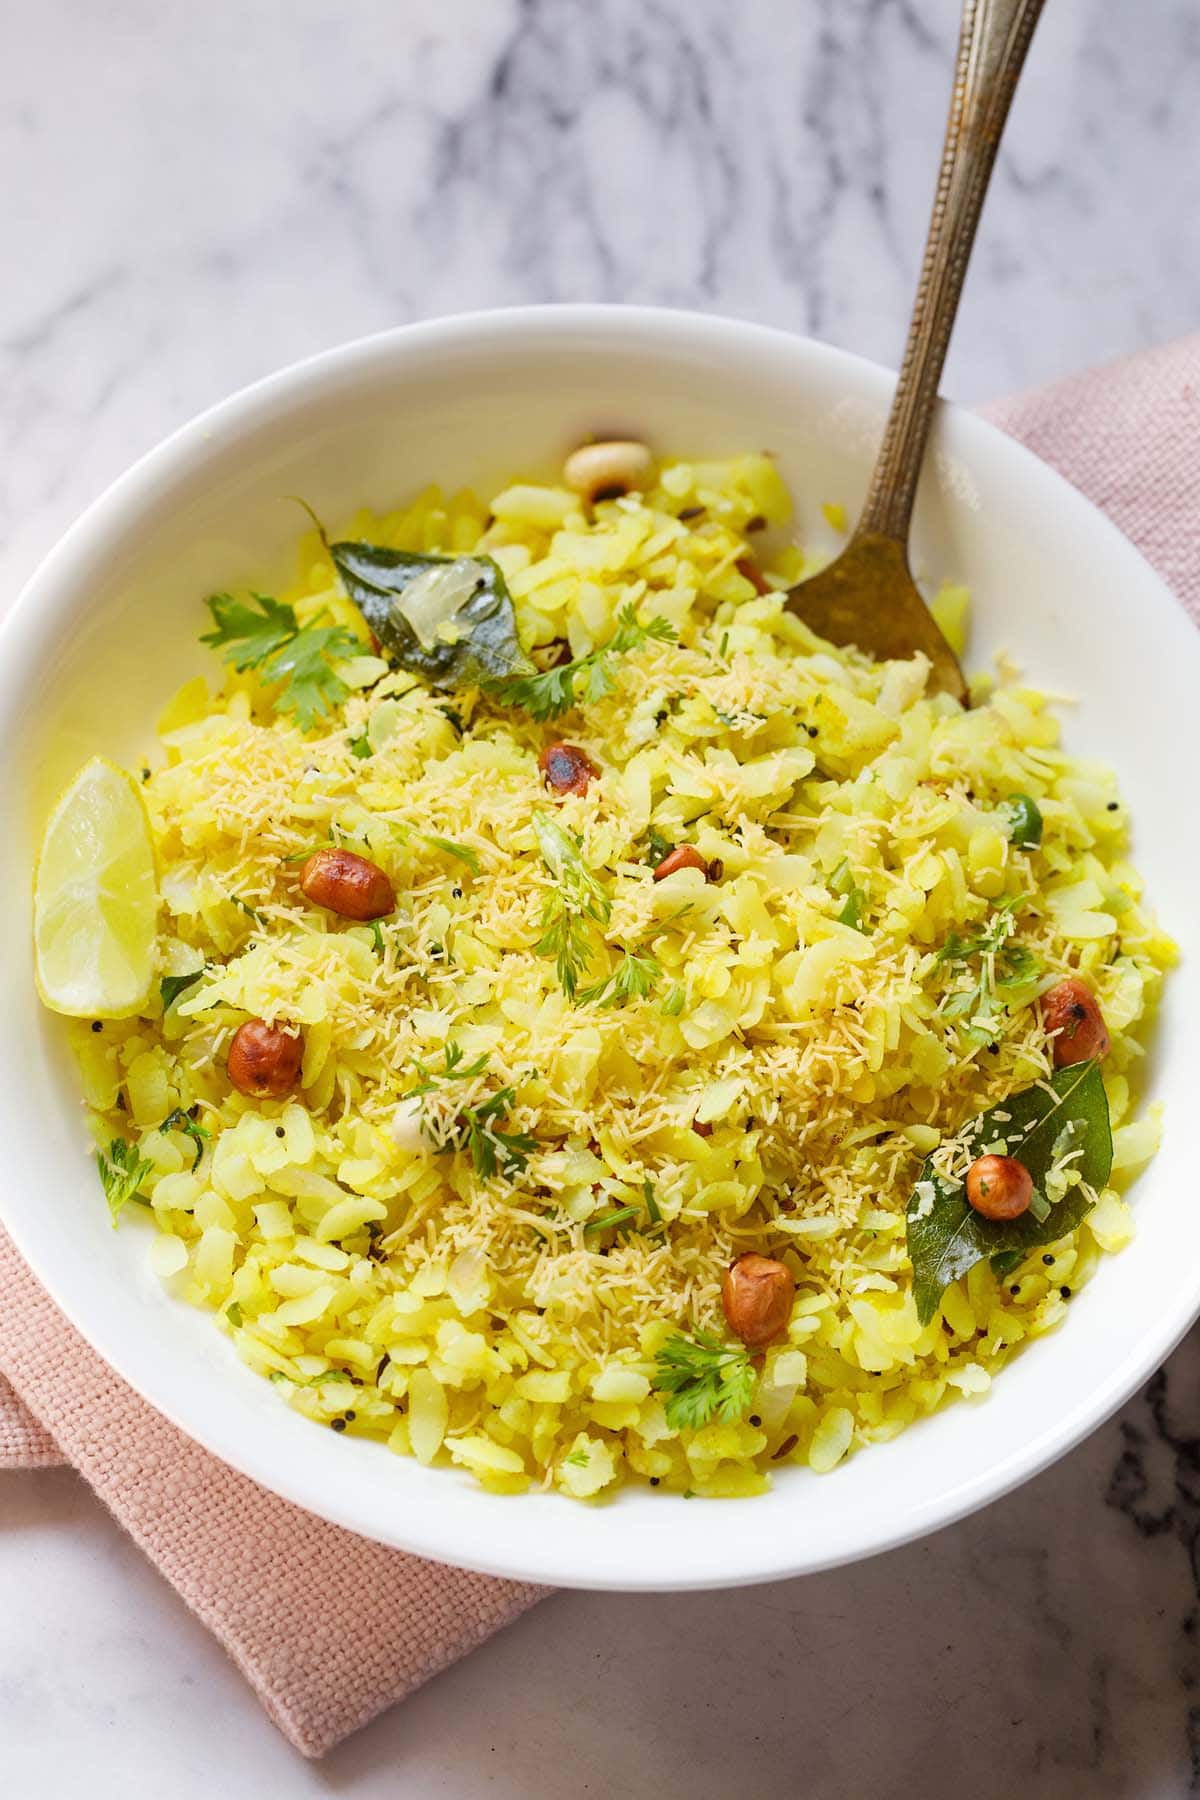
(474, 1128)
(454, 1068)
(702, 1377)
(587, 678)
(1003, 968)
(272, 642)
(179, 1120)
(576, 898)
(632, 979)
(123, 1169)
(491, 1148)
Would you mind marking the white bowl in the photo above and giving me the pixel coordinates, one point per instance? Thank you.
(108, 627)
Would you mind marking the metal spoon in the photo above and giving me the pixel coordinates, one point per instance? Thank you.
(867, 596)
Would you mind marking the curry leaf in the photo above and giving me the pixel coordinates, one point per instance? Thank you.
(448, 618)
(946, 1236)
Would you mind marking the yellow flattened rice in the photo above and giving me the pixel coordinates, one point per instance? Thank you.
(489, 1203)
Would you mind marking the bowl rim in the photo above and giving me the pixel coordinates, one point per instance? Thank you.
(106, 518)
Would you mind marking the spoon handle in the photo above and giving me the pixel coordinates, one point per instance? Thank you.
(991, 50)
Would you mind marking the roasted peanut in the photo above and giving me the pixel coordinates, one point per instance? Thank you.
(605, 471)
(683, 856)
(348, 885)
(567, 768)
(756, 1295)
(264, 1061)
(999, 1187)
(1071, 1012)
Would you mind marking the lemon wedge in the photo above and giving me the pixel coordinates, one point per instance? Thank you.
(95, 901)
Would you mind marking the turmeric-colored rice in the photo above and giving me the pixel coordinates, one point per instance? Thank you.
(398, 1293)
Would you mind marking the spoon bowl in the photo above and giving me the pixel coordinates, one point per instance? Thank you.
(867, 597)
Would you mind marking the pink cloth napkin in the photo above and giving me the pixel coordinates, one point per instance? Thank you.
(328, 1627)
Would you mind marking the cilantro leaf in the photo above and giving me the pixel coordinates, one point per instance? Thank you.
(576, 898)
(566, 938)
(561, 854)
(182, 1121)
(1002, 969)
(273, 643)
(491, 1149)
(1025, 822)
(453, 1068)
(586, 679)
(122, 1171)
(632, 979)
(477, 1128)
(312, 687)
(703, 1377)
(249, 637)
(658, 846)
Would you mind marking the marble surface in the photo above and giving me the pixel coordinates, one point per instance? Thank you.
(193, 196)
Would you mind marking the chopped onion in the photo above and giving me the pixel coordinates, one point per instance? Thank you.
(467, 1281)
(432, 601)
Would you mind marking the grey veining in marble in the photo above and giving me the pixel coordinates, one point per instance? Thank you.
(196, 195)
(192, 196)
